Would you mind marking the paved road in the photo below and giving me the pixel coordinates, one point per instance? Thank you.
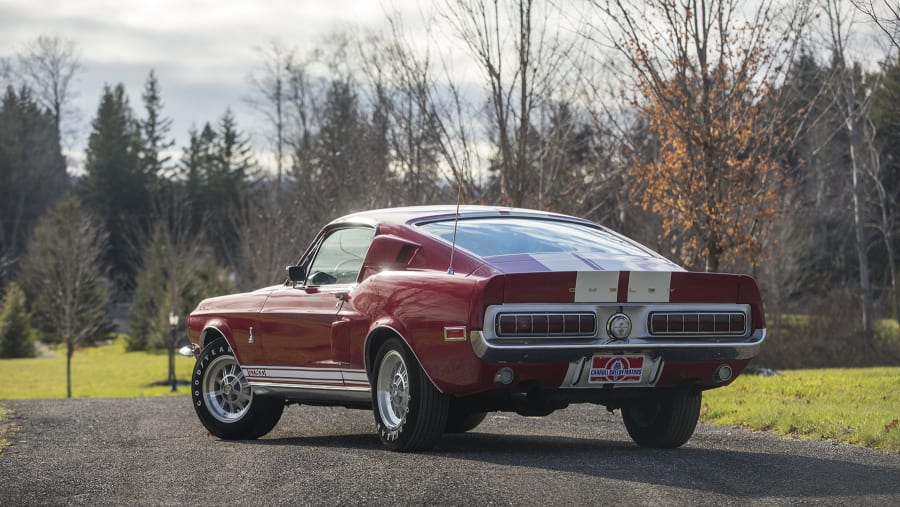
(152, 451)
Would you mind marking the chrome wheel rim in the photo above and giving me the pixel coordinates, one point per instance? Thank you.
(226, 390)
(393, 390)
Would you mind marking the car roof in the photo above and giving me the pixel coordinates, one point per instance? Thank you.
(417, 214)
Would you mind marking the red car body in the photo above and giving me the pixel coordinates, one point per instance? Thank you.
(522, 331)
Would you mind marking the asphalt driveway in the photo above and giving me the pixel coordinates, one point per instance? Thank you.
(153, 451)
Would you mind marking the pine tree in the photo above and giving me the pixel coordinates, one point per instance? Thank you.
(144, 316)
(32, 172)
(154, 129)
(16, 333)
(218, 169)
(177, 272)
(116, 187)
(228, 183)
(196, 160)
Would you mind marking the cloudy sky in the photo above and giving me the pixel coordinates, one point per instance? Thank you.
(201, 50)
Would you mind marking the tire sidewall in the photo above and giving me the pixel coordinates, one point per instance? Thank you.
(218, 348)
(672, 424)
(397, 438)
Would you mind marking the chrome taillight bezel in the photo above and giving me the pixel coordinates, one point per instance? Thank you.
(697, 323)
(545, 324)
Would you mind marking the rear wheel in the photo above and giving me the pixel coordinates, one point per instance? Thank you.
(223, 400)
(410, 413)
(665, 422)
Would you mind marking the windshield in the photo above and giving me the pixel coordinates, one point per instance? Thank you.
(489, 237)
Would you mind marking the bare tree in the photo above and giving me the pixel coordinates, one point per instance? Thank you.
(400, 88)
(269, 97)
(49, 65)
(63, 279)
(886, 16)
(267, 242)
(854, 106)
(6, 72)
(522, 52)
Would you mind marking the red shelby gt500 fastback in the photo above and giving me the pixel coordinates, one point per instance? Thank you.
(432, 317)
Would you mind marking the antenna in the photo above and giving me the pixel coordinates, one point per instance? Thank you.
(455, 223)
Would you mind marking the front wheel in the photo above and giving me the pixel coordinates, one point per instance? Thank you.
(664, 422)
(223, 400)
(410, 413)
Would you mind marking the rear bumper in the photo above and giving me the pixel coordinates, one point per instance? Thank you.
(682, 350)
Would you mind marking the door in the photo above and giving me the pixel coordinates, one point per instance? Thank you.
(299, 327)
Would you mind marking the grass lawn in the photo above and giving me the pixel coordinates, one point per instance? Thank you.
(105, 371)
(859, 406)
(4, 429)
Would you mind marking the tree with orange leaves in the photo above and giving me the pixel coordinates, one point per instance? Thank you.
(704, 74)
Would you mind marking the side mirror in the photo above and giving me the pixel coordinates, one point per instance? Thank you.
(296, 274)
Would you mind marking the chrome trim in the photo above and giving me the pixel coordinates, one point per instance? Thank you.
(455, 328)
(668, 314)
(305, 392)
(639, 313)
(685, 350)
(530, 315)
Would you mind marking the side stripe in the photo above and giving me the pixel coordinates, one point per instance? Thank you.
(313, 376)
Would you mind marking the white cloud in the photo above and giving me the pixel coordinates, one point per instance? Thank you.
(202, 50)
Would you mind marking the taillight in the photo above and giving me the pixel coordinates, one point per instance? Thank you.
(515, 325)
(698, 323)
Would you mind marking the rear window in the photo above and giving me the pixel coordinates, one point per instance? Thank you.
(488, 237)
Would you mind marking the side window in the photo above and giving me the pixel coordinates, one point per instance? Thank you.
(340, 257)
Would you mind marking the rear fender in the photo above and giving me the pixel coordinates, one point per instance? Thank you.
(381, 331)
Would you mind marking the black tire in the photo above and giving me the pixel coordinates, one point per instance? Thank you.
(229, 413)
(663, 423)
(459, 421)
(410, 413)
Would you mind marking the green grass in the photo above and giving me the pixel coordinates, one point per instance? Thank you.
(106, 371)
(4, 429)
(859, 406)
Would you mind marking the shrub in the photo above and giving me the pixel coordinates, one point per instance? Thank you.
(16, 333)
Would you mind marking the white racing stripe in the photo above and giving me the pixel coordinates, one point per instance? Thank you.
(329, 376)
(649, 286)
(596, 286)
(288, 372)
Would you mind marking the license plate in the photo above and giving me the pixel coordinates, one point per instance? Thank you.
(616, 370)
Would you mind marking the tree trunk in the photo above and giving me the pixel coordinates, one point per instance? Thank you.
(892, 267)
(172, 381)
(70, 349)
(859, 228)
